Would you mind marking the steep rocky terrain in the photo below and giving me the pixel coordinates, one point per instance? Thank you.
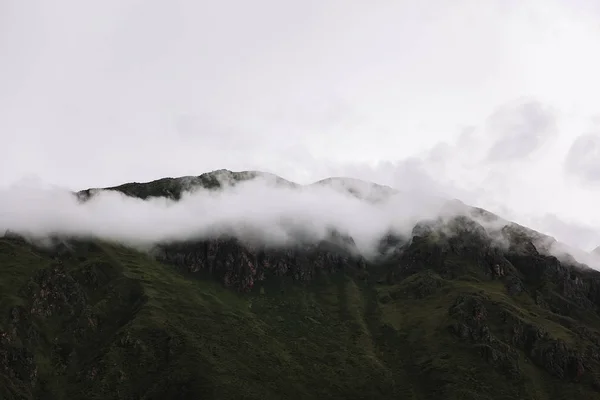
(442, 314)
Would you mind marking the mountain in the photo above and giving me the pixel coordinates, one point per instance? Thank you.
(368, 191)
(174, 187)
(444, 312)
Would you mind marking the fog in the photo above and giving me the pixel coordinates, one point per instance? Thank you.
(258, 209)
(261, 211)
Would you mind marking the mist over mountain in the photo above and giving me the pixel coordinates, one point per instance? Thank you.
(249, 205)
(412, 217)
(342, 288)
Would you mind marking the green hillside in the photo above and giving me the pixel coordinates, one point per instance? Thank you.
(444, 318)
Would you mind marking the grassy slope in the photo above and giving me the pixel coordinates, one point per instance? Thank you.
(161, 334)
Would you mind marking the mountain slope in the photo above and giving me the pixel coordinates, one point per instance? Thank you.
(446, 314)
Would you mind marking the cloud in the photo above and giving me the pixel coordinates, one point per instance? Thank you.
(143, 83)
(260, 211)
(258, 208)
(580, 235)
(583, 158)
(518, 129)
(527, 191)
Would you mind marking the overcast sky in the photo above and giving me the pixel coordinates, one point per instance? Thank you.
(494, 102)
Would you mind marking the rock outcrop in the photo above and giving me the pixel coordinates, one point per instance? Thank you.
(240, 266)
(449, 310)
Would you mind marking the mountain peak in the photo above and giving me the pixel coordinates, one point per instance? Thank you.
(445, 311)
(174, 187)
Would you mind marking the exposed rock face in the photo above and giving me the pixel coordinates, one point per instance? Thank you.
(463, 247)
(241, 266)
(60, 314)
(18, 371)
(54, 291)
(462, 250)
(472, 315)
(513, 307)
(553, 355)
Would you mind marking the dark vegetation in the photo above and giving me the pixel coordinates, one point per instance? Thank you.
(445, 315)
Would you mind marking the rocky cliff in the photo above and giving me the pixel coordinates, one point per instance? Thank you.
(446, 311)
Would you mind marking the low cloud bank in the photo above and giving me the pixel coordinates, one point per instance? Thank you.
(260, 210)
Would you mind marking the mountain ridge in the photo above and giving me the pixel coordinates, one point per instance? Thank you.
(371, 192)
(447, 311)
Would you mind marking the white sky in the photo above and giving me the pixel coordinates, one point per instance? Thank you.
(495, 102)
